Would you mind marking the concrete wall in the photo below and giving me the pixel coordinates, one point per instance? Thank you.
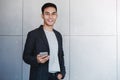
(91, 37)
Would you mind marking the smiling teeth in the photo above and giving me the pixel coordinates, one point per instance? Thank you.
(50, 20)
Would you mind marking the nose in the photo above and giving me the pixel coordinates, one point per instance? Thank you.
(50, 16)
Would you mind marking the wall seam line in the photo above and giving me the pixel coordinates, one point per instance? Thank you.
(116, 45)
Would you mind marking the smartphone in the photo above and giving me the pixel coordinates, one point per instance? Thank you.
(43, 53)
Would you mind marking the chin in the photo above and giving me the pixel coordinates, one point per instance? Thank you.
(50, 24)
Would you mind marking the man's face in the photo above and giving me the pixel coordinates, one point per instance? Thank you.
(49, 16)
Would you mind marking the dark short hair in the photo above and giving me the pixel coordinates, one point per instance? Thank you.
(46, 5)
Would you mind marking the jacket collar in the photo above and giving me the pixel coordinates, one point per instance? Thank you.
(42, 33)
(43, 36)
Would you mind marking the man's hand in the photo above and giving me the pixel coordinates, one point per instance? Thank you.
(42, 59)
(59, 76)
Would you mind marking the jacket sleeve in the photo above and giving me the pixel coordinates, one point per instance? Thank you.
(63, 71)
(28, 54)
(62, 63)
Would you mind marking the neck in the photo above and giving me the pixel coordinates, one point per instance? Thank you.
(48, 28)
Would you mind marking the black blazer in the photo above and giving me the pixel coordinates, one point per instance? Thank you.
(37, 42)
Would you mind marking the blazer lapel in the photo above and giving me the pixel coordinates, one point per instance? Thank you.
(44, 38)
(58, 39)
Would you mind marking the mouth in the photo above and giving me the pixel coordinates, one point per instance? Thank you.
(50, 20)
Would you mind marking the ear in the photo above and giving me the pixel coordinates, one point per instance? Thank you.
(56, 15)
(42, 16)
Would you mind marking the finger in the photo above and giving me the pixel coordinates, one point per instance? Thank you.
(45, 57)
(38, 55)
(43, 60)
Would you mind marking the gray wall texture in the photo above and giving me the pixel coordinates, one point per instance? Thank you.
(91, 37)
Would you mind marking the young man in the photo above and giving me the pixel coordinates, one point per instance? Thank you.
(45, 40)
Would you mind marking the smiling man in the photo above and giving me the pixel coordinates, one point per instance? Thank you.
(43, 48)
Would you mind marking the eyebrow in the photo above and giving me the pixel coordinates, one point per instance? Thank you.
(49, 12)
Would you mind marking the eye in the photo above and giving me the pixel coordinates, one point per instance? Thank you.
(54, 13)
(46, 13)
